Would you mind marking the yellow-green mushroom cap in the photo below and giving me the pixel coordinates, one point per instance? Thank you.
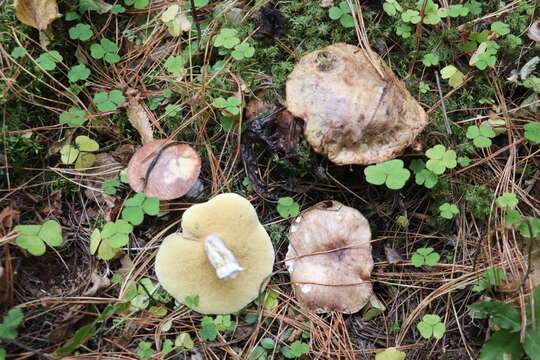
(183, 268)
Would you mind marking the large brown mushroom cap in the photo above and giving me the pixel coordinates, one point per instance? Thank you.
(183, 268)
(174, 173)
(351, 114)
(329, 258)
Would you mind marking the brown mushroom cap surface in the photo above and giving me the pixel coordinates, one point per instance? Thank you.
(173, 174)
(351, 114)
(182, 266)
(340, 235)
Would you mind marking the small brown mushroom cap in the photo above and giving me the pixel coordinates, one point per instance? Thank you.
(329, 258)
(174, 173)
(351, 114)
(182, 266)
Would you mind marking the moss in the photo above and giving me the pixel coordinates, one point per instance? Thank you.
(479, 199)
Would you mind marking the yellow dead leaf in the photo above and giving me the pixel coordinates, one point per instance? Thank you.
(36, 13)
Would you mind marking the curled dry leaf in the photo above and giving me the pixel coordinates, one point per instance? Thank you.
(98, 282)
(36, 13)
(8, 217)
(534, 31)
(139, 118)
(392, 255)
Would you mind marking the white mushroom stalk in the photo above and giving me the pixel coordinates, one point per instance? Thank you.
(221, 258)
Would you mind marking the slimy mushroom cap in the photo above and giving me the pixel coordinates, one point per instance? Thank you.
(329, 258)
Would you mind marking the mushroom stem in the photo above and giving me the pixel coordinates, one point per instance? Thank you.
(221, 258)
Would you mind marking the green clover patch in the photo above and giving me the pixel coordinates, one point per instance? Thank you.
(81, 153)
(431, 326)
(440, 159)
(138, 205)
(107, 242)
(391, 173)
(34, 237)
(425, 256)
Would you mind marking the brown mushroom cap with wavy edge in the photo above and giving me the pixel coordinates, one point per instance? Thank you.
(329, 258)
(174, 172)
(351, 114)
(183, 266)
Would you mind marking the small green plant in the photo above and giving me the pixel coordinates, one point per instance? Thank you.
(454, 76)
(431, 326)
(81, 32)
(78, 72)
(404, 30)
(491, 277)
(192, 300)
(464, 161)
(440, 159)
(507, 338)
(411, 16)
(390, 354)
(140, 294)
(110, 186)
(174, 64)
(485, 55)
(34, 237)
(211, 326)
(18, 52)
(425, 256)
(295, 350)
(176, 20)
(430, 60)
(73, 117)
(108, 101)
(227, 38)
(81, 153)
(243, 51)
(342, 12)
(392, 7)
(532, 132)
(138, 205)
(106, 50)
(107, 242)
(391, 173)
(137, 4)
(500, 28)
(117, 9)
(287, 207)
(423, 176)
(10, 322)
(507, 201)
(423, 87)
(448, 211)
(49, 60)
(231, 105)
(144, 350)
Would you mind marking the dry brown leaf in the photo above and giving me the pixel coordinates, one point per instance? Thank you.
(139, 117)
(36, 13)
(8, 216)
(392, 255)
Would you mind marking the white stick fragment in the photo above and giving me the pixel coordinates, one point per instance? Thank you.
(221, 258)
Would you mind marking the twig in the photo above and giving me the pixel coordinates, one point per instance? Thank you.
(443, 105)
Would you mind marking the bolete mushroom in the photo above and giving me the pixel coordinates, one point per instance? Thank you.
(352, 115)
(223, 255)
(164, 169)
(329, 258)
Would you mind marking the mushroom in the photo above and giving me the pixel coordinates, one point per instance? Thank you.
(329, 258)
(223, 255)
(174, 169)
(352, 115)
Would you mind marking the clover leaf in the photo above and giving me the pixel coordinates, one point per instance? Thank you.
(73, 117)
(174, 64)
(425, 256)
(448, 211)
(464, 161)
(137, 4)
(117, 9)
(49, 60)
(227, 38)
(529, 225)
(454, 76)
(299, 348)
(243, 51)
(431, 325)
(78, 72)
(18, 52)
(457, 10)
(411, 16)
(144, 350)
(440, 159)
(391, 354)
(106, 50)
(108, 101)
(109, 186)
(500, 28)
(484, 55)
(507, 201)
(392, 7)
(80, 31)
(474, 7)
(107, 242)
(10, 323)
(481, 135)
(81, 153)
(208, 330)
(343, 14)
(391, 173)
(491, 277)
(287, 207)
(404, 30)
(138, 205)
(34, 237)
(230, 105)
(423, 176)
(430, 60)
(532, 132)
